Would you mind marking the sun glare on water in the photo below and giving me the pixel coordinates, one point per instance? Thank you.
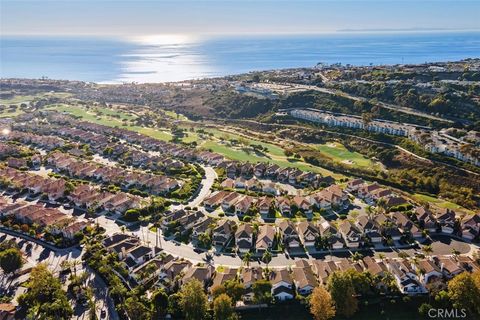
(164, 58)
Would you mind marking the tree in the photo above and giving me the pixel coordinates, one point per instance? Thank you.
(174, 306)
(136, 309)
(343, 293)
(45, 297)
(262, 291)
(246, 259)
(234, 290)
(92, 305)
(424, 308)
(159, 302)
(427, 250)
(361, 281)
(222, 307)
(321, 304)
(218, 290)
(464, 294)
(267, 257)
(11, 260)
(193, 300)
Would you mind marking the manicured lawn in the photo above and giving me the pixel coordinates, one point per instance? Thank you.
(273, 149)
(6, 114)
(107, 119)
(241, 155)
(17, 99)
(157, 134)
(439, 202)
(339, 153)
(86, 115)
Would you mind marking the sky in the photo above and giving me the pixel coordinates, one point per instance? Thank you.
(141, 17)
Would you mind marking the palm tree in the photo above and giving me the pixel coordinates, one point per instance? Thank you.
(369, 210)
(267, 257)
(92, 306)
(246, 259)
(381, 204)
(455, 253)
(357, 256)
(381, 256)
(427, 249)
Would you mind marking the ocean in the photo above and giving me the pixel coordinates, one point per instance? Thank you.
(166, 58)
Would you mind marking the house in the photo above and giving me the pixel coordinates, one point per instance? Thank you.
(470, 226)
(265, 205)
(308, 232)
(201, 273)
(289, 234)
(388, 227)
(220, 278)
(249, 276)
(303, 277)
(425, 219)
(284, 205)
(223, 233)
(243, 206)
(391, 202)
(364, 191)
(378, 269)
(141, 254)
(350, 234)
(214, 200)
(369, 229)
(244, 238)
(354, 185)
(405, 278)
(265, 238)
(173, 269)
(270, 188)
(446, 219)
(428, 271)
(259, 169)
(202, 227)
(282, 285)
(229, 201)
(303, 204)
(329, 232)
(405, 225)
(448, 266)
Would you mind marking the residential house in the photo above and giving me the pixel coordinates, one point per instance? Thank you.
(369, 229)
(350, 234)
(303, 277)
(249, 276)
(308, 232)
(289, 234)
(425, 219)
(265, 205)
(223, 233)
(331, 234)
(244, 238)
(265, 238)
(282, 285)
(446, 219)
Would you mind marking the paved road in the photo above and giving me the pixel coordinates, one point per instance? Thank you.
(355, 98)
(206, 184)
(53, 257)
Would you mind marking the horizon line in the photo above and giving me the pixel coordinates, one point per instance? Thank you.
(260, 33)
